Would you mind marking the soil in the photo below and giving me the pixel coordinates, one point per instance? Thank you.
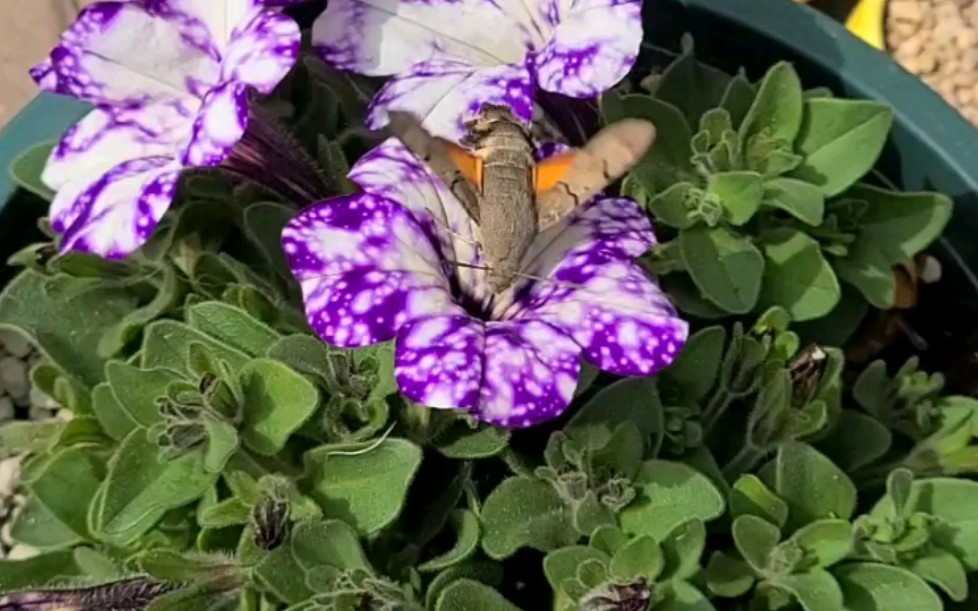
(938, 41)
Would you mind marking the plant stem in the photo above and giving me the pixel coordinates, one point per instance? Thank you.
(744, 461)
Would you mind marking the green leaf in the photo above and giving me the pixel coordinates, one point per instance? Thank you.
(841, 140)
(36, 571)
(857, 440)
(944, 570)
(899, 487)
(668, 162)
(461, 442)
(113, 418)
(688, 298)
(755, 538)
(137, 390)
(608, 539)
(228, 512)
(690, 85)
(364, 488)
(524, 512)
(725, 266)
(796, 275)
(640, 557)
(561, 564)
(728, 577)
(623, 454)
(825, 541)
(811, 485)
(67, 485)
(800, 199)
(66, 317)
(685, 597)
(777, 109)
(815, 590)
(206, 596)
(682, 549)
(868, 586)
(97, 565)
(277, 401)
(36, 526)
(467, 541)
(304, 353)
(634, 400)
(673, 205)
(139, 489)
(669, 494)
(328, 542)
(738, 98)
(28, 166)
(166, 344)
(749, 496)
(469, 594)
(222, 442)
(694, 372)
(263, 224)
(281, 573)
(483, 571)
(232, 326)
(740, 193)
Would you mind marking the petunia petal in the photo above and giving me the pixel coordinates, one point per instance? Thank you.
(593, 47)
(97, 59)
(210, 22)
(263, 51)
(114, 215)
(219, 125)
(445, 94)
(439, 361)
(394, 172)
(366, 266)
(531, 372)
(383, 37)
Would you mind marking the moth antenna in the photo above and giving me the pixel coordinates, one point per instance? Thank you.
(521, 274)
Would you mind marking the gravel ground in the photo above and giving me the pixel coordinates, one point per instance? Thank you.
(17, 401)
(938, 41)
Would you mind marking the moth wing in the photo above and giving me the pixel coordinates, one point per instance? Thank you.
(457, 168)
(611, 153)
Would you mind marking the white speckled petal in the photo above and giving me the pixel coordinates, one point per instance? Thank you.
(383, 37)
(219, 125)
(114, 215)
(210, 21)
(593, 47)
(445, 94)
(104, 138)
(366, 266)
(263, 51)
(118, 52)
(439, 361)
(393, 171)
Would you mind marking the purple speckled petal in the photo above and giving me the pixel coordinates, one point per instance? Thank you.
(104, 138)
(531, 372)
(115, 214)
(393, 171)
(445, 94)
(219, 125)
(593, 47)
(383, 37)
(263, 51)
(366, 266)
(119, 52)
(209, 22)
(439, 361)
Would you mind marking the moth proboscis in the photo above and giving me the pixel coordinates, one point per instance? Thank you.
(505, 191)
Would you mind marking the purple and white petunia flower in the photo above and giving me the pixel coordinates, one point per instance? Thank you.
(382, 265)
(171, 81)
(448, 57)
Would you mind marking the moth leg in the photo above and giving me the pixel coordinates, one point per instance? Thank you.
(450, 162)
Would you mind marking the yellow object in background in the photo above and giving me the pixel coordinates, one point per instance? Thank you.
(867, 21)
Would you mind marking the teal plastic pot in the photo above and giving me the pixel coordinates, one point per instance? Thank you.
(932, 146)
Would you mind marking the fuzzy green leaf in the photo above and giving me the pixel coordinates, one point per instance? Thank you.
(111, 415)
(640, 557)
(796, 276)
(738, 98)
(166, 344)
(36, 526)
(139, 489)
(482, 571)
(755, 538)
(263, 224)
(232, 326)
(328, 542)
(669, 494)
(739, 193)
(690, 85)
(750, 496)
(728, 577)
(524, 512)
(725, 266)
(466, 542)
(825, 541)
(469, 594)
(841, 140)
(561, 564)
(944, 570)
(280, 573)
(868, 586)
(673, 205)
(800, 199)
(461, 442)
(277, 401)
(682, 549)
(634, 400)
(856, 440)
(222, 442)
(365, 488)
(811, 485)
(67, 485)
(27, 168)
(136, 390)
(815, 590)
(37, 571)
(777, 109)
(694, 372)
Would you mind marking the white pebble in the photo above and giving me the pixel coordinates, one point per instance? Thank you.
(6, 409)
(39, 413)
(9, 472)
(5, 539)
(22, 551)
(15, 343)
(64, 414)
(42, 399)
(14, 377)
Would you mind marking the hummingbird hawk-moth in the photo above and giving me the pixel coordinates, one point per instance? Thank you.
(506, 192)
